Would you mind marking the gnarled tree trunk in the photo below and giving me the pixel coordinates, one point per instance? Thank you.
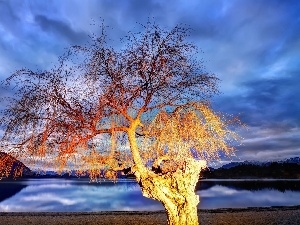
(175, 190)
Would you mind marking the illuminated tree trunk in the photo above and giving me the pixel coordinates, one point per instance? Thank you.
(182, 212)
(175, 190)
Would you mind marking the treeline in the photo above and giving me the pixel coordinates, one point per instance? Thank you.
(271, 170)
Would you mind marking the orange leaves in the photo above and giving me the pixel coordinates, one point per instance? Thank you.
(112, 175)
(93, 160)
(88, 164)
(190, 128)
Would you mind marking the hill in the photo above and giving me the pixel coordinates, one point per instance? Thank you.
(287, 169)
(11, 167)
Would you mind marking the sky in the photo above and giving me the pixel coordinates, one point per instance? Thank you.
(252, 46)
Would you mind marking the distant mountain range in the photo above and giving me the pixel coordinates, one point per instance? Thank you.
(288, 169)
(291, 160)
(285, 169)
(258, 163)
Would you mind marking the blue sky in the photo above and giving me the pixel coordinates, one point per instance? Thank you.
(252, 46)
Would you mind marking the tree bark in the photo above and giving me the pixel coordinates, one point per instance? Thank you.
(175, 190)
(183, 213)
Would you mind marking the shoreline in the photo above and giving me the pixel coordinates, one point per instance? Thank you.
(233, 216)
(218, 210)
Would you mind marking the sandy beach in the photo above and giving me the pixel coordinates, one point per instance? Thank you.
(263, 216)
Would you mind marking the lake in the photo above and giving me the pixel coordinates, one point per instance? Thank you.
(73, 195)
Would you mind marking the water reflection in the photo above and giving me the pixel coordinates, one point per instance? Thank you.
(9, 189)
(224, 197)
(251, 185)
(57, 195)
(248, 193)
(78, 195)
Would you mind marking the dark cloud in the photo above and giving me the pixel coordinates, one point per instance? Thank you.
(271, 110)
(61, 29)
(276, 143)
(266, 102)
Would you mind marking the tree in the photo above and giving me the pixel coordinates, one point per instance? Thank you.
(102, 110)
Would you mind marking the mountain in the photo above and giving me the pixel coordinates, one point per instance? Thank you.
(234, 164)
(291, 160)
(286, 169)
(11, 167)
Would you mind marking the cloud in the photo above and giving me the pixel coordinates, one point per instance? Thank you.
(271, 110)
(60, 29)
(265, 102)
(270, 144)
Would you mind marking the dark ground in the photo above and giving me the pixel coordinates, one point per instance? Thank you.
(247, 216)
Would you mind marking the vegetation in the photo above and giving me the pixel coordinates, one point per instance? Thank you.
(101, 110)
(273, 170)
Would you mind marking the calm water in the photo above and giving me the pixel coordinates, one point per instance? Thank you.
(56, 195)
